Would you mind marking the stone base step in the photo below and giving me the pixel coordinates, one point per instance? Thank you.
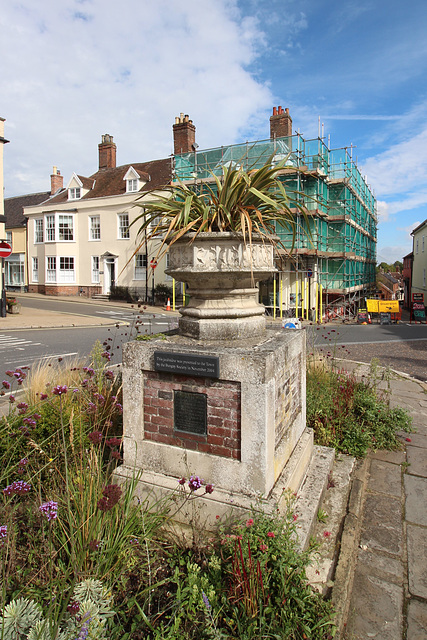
(101, 296)
(311, 493)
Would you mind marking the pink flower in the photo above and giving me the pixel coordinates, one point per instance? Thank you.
(263, 547)
(295, 517)
(326, 534)
(408, 440)
(270, 534)
(249, 522)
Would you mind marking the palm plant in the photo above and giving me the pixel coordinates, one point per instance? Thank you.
(239, 201)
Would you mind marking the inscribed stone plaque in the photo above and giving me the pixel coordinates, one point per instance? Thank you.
(187, 364)
(190, 412)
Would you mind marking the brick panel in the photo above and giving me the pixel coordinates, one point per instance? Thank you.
(223, 413)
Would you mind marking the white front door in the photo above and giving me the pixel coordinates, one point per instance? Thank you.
(109, 274)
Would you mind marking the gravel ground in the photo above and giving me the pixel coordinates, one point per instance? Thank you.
(405, 357)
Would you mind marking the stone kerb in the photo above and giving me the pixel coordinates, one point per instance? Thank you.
(255, 415)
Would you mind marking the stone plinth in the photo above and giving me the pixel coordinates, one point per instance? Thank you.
(255, 415)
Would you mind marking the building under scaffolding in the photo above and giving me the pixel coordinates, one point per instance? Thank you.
(331, 267)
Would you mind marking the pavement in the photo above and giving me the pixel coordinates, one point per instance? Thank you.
(379, 584)
(32, 318)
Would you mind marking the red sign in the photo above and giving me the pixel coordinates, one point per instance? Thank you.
(5, 249)
(153, 263)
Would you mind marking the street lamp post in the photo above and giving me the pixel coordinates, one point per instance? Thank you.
(153, 265)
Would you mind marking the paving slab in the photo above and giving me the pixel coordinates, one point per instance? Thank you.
(417, 459)
(417, 620)
(416, 499)
(381, 565)
(375, 609)
(395, 457)
(417, 560)
(418, 439)
(382, 524)
(385, 478)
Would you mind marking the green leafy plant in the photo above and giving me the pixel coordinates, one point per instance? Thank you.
(239, 201)
(351, 415)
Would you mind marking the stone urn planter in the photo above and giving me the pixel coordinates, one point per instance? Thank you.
(221, 272)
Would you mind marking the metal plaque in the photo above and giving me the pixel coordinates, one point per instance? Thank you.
(190, 412)
(186, 364)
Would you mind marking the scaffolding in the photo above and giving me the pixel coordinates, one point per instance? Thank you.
(334, 251)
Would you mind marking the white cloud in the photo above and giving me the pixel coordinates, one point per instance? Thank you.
(383, 210)
(75, 70)
(390, 254)
(401, 168)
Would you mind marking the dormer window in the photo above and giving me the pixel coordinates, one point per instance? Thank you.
(78, 187)
(134, 180)
(74, 193)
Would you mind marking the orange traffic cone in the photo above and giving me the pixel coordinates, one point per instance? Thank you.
(168, 306)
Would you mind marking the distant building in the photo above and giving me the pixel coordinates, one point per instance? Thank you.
(335, 251)
(419, 266)
(407, 279)
(82, 239)
(81, 242)
(16, 272)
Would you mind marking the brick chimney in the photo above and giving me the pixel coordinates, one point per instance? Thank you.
(107, 152)
(56, 181)
(184, 135)
(280, 123)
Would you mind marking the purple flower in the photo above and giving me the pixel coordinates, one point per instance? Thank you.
(119, 407)
(73, 608)
(206, 601)
(18, 487)
(22, 406)
(9, 373)
(109, 375)
(209, 488)
(95, 437)
(11, 398)
(49, 509)
(3, 534)
(106, 355)
(30, 422)
(194, 483)
(6, 384)
(43, 396)
(59, 390)
(182, 481)
(113, 442)
(90, 372)
(94, 545)
(111, 495)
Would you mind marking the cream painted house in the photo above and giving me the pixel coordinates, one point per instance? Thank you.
(81, 241)
(419, 265)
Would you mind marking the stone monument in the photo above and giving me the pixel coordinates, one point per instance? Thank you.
(224, 398)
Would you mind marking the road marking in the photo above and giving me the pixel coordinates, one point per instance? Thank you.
(37, 358)
(9, 341)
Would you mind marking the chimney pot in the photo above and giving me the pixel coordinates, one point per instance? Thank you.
(280, 123)
(184, 135)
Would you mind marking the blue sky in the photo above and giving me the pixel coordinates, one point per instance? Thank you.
(76, 69)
